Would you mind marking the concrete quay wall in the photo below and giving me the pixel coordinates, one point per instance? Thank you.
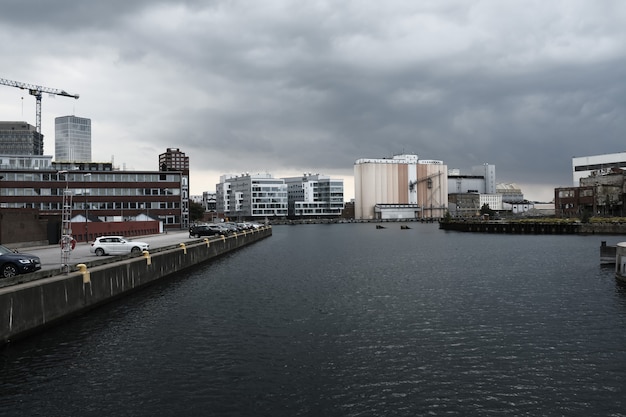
(535, 228)
(32, 306)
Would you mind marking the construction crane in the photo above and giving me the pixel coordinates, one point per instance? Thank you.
(37, 90)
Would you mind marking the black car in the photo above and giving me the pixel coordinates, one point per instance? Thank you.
(207, 230)
(13, 263)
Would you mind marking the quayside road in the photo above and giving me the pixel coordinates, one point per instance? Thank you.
(51, 255)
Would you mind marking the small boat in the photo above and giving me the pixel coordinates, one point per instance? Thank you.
(379, 226)
(404, 227)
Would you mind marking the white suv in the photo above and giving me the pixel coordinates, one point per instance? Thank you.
(116, 245)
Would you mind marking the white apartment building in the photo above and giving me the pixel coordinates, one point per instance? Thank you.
(314, 195)
(249, 196)
(72, 139)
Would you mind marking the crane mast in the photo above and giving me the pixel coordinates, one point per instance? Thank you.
(37, 90)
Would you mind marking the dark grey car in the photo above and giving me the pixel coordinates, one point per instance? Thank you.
(207, 230)
(13, 263)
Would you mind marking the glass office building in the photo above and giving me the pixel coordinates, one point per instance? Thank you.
(72, 139)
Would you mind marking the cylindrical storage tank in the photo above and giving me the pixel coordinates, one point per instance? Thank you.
(620, 262)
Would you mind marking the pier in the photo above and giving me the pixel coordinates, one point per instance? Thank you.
(534, 228)
(33, 305)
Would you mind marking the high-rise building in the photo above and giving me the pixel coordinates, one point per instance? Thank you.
(175, 160)
(20, 138)
(72, 139)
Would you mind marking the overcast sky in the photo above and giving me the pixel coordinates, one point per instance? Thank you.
(288, 87)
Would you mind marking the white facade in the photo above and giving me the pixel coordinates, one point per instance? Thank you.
(314, 195)
(72, 139)
(518, 208)
(222, 194)
(493, 200)
(25, 161)
(585, 166)
(249, 196)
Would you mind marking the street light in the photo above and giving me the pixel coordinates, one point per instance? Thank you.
(86, 207)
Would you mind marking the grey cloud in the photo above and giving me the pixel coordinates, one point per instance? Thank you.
(242, 85)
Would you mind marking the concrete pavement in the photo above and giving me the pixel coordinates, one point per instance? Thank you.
(51, 255)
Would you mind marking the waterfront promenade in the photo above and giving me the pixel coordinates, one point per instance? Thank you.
(33, 302)
(51, 254)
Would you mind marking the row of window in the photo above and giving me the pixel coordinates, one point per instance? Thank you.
(79, 206)
(572, 193)
(596, 167)
(95, 192)
(94, 177)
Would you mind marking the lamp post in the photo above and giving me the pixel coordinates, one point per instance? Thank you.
(87, 175)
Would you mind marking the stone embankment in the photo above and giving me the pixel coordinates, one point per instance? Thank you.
(32, 305)
(536, 228)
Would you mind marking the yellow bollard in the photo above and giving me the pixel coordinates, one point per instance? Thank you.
(182, 245)
(206, 240)
(146, 255)
(86, 275)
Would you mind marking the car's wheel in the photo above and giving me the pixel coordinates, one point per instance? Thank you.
(197, 235)
(9, 270)
(99, 252)
(135, 249)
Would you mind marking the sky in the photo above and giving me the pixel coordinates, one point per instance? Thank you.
(287, 87)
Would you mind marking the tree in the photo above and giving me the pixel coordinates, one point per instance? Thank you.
(196, 211)
(485, 209)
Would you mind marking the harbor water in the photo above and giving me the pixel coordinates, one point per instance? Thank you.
(346, 320)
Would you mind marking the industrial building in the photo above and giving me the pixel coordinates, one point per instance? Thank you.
(602, 194)
(510, 192)
(20, 138)
(585, 166)
(314, 196)
(72, 139)
(482, 180)
(401, 187)
(470, 192)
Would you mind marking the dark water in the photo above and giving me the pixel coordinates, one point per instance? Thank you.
(346, 320)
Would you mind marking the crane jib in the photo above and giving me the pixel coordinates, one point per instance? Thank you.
(36, 91)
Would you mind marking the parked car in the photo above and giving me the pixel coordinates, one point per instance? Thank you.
(244, 226)
(116, 245)
(13, 263)
(231, 226)
(207, 230)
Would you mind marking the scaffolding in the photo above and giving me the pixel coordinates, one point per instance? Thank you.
(66, 231)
